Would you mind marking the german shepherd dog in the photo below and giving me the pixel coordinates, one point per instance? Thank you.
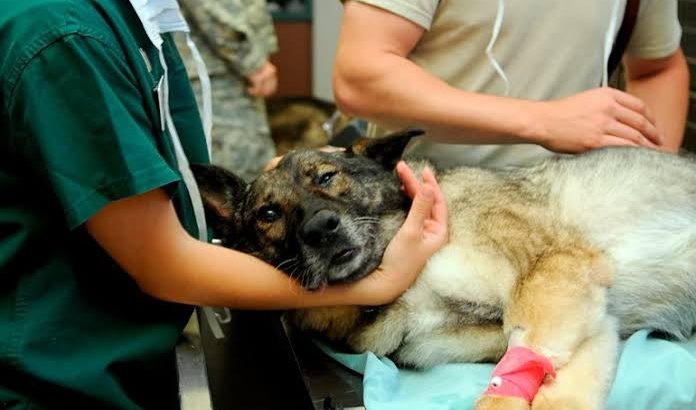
(563, 257)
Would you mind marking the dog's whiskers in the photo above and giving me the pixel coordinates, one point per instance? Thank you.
(288, 262)
(375, 218)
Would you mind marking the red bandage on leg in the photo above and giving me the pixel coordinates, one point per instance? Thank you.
(519, 373)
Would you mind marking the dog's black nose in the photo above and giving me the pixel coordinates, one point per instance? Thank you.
(320, 227)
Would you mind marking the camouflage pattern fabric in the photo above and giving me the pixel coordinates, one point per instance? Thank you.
(235, 38)
(240, 32)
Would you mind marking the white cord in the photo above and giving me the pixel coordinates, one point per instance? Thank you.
(206, 92)
(609, 39)
(489, 49)
(182, 161)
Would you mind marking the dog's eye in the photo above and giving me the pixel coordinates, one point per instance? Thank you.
(268, 214)
(324, 180)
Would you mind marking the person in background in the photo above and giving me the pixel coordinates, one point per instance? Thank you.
(520, 79)
(241, 35)
(103, 251)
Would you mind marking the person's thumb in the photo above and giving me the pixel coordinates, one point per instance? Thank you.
(421, 208)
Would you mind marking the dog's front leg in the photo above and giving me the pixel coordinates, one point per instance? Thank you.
(556, 316)
(584, 382)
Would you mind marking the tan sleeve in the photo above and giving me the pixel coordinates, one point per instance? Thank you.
(657, 33)
(420, 12)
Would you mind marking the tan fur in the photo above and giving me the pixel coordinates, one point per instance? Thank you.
(553, 248)
(335, 322)
(563, 257)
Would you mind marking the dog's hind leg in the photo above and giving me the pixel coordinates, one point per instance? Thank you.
(554, 310)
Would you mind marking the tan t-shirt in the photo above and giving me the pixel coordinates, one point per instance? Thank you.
(548, 49)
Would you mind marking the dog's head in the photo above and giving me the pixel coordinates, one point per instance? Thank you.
(321, 217)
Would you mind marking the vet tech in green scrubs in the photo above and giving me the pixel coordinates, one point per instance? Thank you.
(92, 158)
(80, 127)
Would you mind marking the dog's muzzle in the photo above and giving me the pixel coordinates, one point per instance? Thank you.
(321, 228)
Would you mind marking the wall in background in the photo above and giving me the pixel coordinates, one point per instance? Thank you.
(293, 25)
(326, 24)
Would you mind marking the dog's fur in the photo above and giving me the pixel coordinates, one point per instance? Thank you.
(562, 257)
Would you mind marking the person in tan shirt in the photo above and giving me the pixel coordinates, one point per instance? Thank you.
(518, 79)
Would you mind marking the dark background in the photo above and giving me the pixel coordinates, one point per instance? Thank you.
(687, 16)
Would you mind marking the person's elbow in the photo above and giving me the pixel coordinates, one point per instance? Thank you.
(357, 88)
(347, 94)
(157, 289)
(162, 268)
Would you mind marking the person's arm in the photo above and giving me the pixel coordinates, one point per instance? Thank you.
(143, 234)
(374, 79)
(264, 81)
(664, 86)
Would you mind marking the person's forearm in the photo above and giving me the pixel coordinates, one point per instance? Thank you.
(374, 79)
(209, 275)
(389, 91)
(143, 235)
(666, 92)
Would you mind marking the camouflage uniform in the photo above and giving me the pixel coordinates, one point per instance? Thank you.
(236, 37)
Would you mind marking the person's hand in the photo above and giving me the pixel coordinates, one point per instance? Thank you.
(264, 81)
(272, 163)
(593, 119)
(423, 233)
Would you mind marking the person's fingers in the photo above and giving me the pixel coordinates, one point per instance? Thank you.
(421, 209)
(261, 88)
(271, 85)
(439, 211)
(623, 131)
(331, 148)
(610, 140)
(253, 89)
(633, 103)
(273, 163)
(637, 105)
(639, 123)
(408, 179)
(629, 134)
(269, 88)
(256, 81)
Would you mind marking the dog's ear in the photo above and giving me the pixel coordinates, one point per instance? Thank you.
(386, 150)
(223, 195)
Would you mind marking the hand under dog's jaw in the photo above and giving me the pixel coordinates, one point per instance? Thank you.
(354, 253)
(344, 266)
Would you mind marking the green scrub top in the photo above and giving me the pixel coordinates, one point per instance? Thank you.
(79, 128)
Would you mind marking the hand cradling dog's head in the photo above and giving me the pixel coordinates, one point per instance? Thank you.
(320, 217)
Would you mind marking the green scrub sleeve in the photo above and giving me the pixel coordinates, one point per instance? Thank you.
(80, 120)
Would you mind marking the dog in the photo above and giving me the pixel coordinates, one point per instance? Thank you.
(563, 257)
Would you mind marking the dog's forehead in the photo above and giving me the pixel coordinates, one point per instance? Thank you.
(305, 162)
(289, 174)
(270, 185)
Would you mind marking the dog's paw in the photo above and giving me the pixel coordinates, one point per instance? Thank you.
(500, 403)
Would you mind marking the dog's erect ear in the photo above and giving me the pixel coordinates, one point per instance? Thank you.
(223, 194)
(386, 150)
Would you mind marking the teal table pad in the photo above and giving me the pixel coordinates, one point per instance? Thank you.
(652, 374)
